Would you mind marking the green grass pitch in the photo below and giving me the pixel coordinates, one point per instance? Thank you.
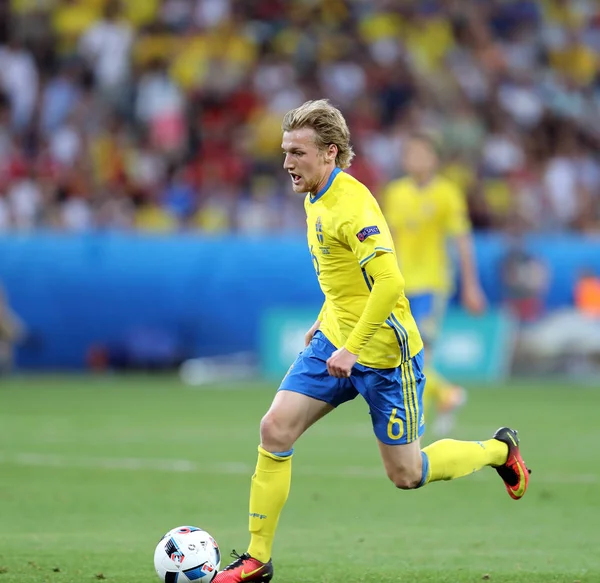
(93, 470)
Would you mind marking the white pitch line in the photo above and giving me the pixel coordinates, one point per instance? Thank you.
(48, 460)
(128, 463)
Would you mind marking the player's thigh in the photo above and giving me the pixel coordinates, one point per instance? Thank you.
(399, 423)
(395, 399)
(289, 416)
(307, 393)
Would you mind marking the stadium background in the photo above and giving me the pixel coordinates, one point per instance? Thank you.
(145, 137)
(145, 220)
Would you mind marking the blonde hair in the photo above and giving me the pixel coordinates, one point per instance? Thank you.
(329, 125)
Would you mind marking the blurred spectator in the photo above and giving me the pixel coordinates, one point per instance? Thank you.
(106, 46)
(59, 97)
(587, 295)
(525, 281)
(115, 94)
(563, 184)
(19, 80)
(160, 107)
(12, 331)
(567, 339)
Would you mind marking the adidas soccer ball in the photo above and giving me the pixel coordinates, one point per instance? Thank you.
(187, 553)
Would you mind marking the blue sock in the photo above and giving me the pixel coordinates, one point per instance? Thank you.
(287, 453)
(425, 469)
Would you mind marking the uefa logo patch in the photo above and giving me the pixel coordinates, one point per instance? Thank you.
(367, 232)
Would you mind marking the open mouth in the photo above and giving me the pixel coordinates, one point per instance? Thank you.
(295, 178)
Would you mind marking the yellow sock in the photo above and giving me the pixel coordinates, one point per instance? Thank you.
(450, 459)
(268, 493)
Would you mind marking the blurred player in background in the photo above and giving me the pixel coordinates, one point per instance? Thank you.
(364, 341)
(425, 212)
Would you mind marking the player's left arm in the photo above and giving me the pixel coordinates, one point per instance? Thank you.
(370, 241)
(387, 285)
(459, 227)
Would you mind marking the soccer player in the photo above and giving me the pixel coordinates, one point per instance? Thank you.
(424, 211)
(364, 341)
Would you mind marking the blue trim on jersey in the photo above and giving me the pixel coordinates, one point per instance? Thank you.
(287, 453)
(404, 333)
(365, 275)
(361, 263)
(323, 190)
(399, 338)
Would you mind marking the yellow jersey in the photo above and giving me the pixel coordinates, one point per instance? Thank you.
(345, 230)
(421, 220)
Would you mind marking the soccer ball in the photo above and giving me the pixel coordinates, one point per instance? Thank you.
(187, 553)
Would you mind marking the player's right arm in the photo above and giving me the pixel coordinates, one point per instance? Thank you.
(309, 335)
(458, 226)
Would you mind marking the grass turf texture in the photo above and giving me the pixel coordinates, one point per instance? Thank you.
(94, 470)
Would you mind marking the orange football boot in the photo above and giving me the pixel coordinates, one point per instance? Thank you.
(514, 472)
(245, 569)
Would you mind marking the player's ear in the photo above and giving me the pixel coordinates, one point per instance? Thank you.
(332, 152)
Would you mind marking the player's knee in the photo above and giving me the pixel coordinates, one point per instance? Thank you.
(275, 433)
(405, 478)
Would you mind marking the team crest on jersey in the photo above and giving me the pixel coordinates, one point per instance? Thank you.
(367, 232)
(319, 229)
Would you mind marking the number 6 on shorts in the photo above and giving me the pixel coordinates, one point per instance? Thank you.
(395, 422)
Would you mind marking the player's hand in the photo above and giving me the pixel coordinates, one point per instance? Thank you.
(309, 335)
(340, 363)
(473, 299)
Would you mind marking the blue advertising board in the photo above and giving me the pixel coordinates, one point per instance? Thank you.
(208, 295)
(470, 348)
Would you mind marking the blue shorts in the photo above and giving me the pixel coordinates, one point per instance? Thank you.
(428, 310)
(394, 395)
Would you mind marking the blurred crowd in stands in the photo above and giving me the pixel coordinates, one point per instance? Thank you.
(164, 115)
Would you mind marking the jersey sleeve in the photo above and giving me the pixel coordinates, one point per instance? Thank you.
(457, 220)
(366, 232)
